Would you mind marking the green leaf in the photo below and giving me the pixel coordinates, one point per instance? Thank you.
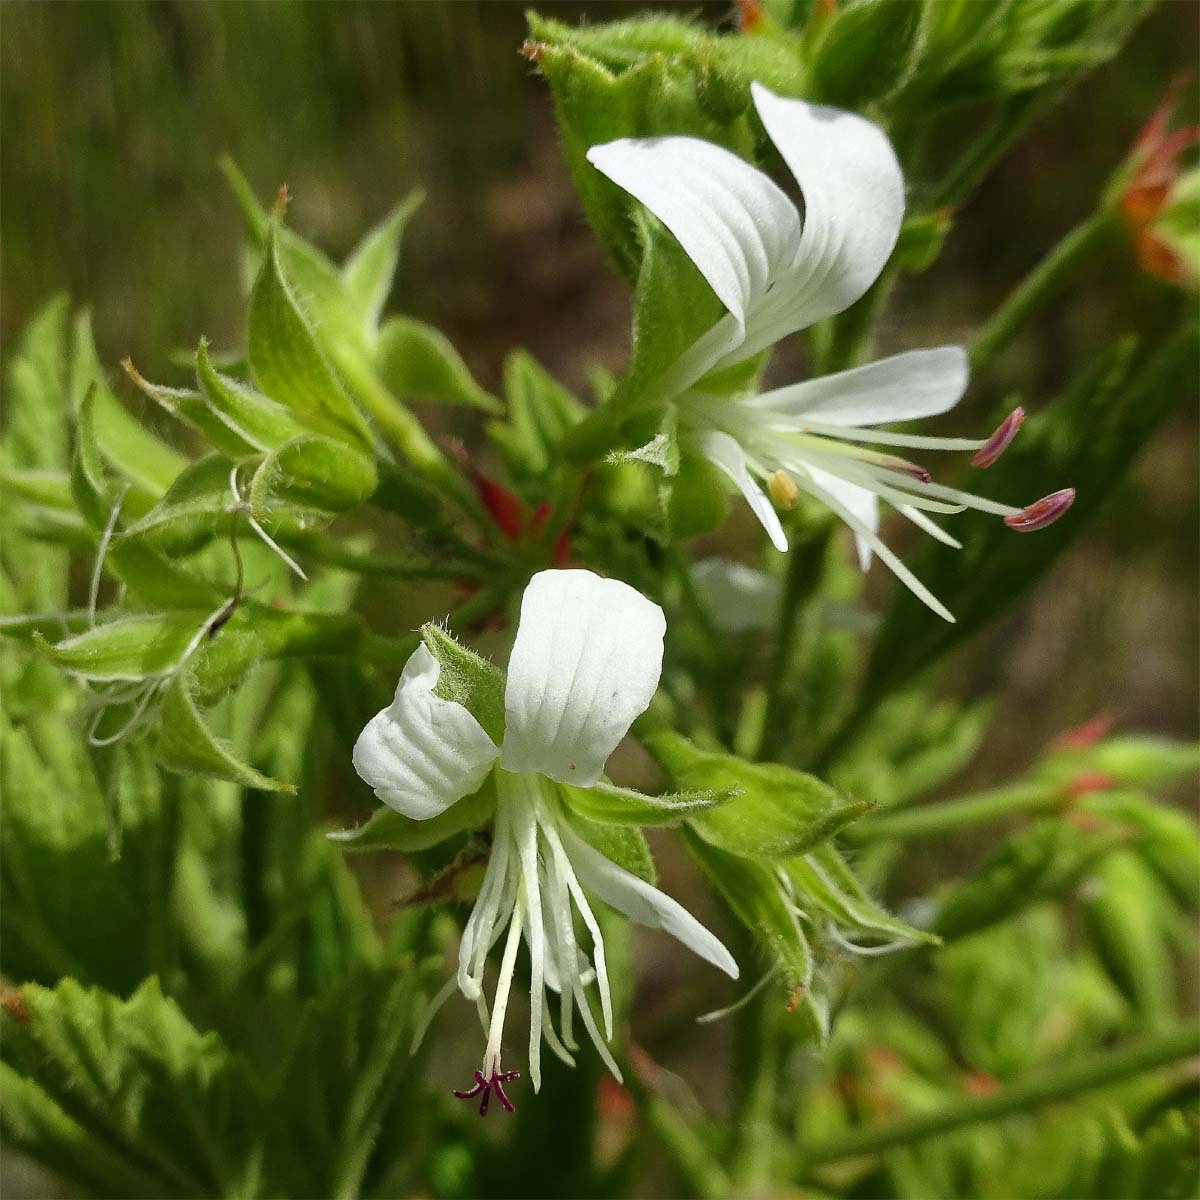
(778, 812)
(126, 1096)
(390, 830)
(1038, 863)
(827, 881)
(188, 746)
(193, 509)
(539, 413)
(467, 679)
(122, 439)
(757, 900)
(368, 273)
(287, 361)
(418, 362)
(1126, 912)
(191, 408)
(866, 52)
(624, 845)
(611, 805)
(313, 471)
(245, 415)
(130, 648)
(650, 91)
(35, 432)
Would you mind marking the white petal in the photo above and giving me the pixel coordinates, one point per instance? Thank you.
(641, 902)
(423, 753)
(921, 383)
(738, 598)
(585, 663)
(727, 455)
(862, 503)
(735, 224)
(853, 202)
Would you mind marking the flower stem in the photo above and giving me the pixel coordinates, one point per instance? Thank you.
(805, 563)
(757, 1073)
(933, 820)
(1096, 1071)
(1039, 286)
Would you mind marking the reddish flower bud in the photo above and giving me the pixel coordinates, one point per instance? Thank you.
(1000, 440)
(1041, 512)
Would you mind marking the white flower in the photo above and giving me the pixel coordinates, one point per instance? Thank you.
(586, 662)
(777, 273)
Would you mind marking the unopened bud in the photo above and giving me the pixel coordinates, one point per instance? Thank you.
(1000, 440)
(783, 490)
(1041, 512)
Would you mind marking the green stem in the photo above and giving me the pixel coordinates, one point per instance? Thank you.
(1042, 283)
(406, 433)
(1097, 1071)
(691, 1155)
(757, 1055)
(806, 561)
(933, 820)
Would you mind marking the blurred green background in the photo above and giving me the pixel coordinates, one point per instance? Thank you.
(114, 116)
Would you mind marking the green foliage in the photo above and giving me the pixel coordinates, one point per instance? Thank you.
(467, 679)
(206, 1000)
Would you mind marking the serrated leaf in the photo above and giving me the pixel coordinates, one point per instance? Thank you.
(608, 804)
(467, 679)
(188, 746)
(418, 362)
(287, 361)
(778, 812)
(163, 1104)
(390, 830)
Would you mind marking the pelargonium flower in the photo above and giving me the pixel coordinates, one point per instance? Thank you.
(777, 273)
(585, 664)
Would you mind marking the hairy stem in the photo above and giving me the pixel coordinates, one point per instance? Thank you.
(933, 820)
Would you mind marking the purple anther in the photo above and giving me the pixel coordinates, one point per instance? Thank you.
(1041, 512)
(485, 1087)
(1000, 440)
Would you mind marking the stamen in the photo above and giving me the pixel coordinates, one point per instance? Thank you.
(485, 1086)
(1042, 512)
(1001, 439)
(783, 490)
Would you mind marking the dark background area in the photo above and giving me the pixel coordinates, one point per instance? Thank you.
(114, 116)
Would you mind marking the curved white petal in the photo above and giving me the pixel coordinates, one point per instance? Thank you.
(738, 598)
(727, 455)
(920, 383)
(641, 902)
(735, 223)
(861, 502)
(853, 203)
(585, 663)
(422, 753)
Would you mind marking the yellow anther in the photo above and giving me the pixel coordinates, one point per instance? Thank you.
(783, 490)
